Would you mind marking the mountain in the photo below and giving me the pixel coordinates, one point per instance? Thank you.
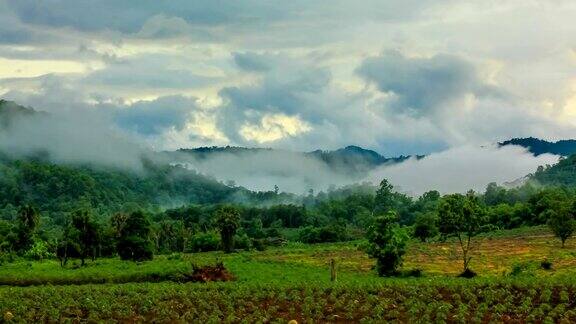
(538, 146)
(350, 159)
(10, 110)
(562, 173)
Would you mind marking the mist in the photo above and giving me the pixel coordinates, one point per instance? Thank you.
(86, 137)
(262, 170)
(83, 137)
(460, 169)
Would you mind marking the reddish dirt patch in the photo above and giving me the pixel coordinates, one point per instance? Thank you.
(209, 273)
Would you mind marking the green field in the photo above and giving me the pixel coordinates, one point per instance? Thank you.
(293, 282)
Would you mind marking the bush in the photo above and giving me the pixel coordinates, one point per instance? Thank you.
(243, 242)
(468, 274)
(546, 265)
(259, 244)
(7, 257)
(204, 242)
(38, 251)
(329, 233)
(415, 273)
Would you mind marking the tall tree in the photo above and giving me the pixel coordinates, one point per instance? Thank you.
(89, 233)
(461, 216)
(387, 243)
(81, 237)
(227, 221)
(134, 238)
(384, 200)
(28, 221)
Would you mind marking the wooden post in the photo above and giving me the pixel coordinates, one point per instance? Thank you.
(332, 270)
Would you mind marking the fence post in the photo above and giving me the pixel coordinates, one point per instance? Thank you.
(332, 270)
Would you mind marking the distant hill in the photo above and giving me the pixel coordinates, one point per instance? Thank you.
(537, 146)
(10, 110)
(350, 159)
(562, 173)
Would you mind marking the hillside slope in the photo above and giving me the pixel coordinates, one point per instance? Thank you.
(537, 146)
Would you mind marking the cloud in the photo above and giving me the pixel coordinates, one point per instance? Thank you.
(157, 116)
(250, 61)
(262, 170)
(147, 72)
(274, 127)
(129, 16)
(460, 169)
(420, 85)
(280, 102)
(462, 71)
(74, 137)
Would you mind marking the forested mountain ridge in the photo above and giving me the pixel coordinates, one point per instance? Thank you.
(350, 159)
(538, 146)
(9, 110)
(561, 174)
(58, 187)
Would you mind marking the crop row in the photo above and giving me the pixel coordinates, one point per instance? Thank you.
(172, 302)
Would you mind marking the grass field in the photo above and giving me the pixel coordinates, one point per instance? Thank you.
(293, 282)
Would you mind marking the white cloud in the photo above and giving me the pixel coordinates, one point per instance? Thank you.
(462, 168)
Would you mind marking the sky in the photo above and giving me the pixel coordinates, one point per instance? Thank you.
(396, 76)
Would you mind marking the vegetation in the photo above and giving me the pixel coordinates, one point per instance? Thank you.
(134, 238)
(562, 221)
(387, 243)
(461, 216)
(228, 221)
(101, 227)
(293, 283)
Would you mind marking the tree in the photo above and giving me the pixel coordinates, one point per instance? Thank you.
(425, 226)
(134, 238)
(562, 222)
(461, 216)
(227, 220)
(386, 243)
(494, 194)
(81, 237)
(26, 226)
(384, 199)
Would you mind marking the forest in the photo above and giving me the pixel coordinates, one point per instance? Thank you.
(47, 209)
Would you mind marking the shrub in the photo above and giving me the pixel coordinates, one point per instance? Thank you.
(38, 251)
(546, 265)
(329, 233)
(259, 244)
(468, 274)
(242, 241)
(204, 242)
(417, 273)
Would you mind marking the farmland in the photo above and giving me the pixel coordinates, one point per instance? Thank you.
(293, 282)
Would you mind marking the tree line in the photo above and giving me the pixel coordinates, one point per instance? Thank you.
(380, 215)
